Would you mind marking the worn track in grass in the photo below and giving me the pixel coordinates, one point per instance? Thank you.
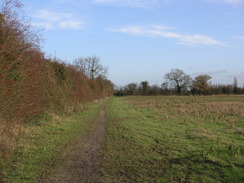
(83, 162)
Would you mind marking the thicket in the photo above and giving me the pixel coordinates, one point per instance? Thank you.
(31, 84)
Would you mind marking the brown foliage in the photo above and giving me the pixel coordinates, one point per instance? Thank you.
(31, 84)
(201, 84)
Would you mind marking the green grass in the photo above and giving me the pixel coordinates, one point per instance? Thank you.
(149, 139)
(40, 149)
(162, 139)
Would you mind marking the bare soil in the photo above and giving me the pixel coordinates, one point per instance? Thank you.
(83, 162)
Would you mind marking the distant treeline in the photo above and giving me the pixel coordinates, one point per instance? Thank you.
(32, 84)
(179, 83)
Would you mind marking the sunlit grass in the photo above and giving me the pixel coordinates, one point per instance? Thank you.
(175, 139)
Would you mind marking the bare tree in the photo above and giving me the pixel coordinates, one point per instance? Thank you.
(91, 67)
(131, 89)
(201, 84)
(178, 79)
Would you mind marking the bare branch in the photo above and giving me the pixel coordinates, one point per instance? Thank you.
(91, 67)
(178, 79)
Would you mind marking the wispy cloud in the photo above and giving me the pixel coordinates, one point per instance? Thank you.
(70, 24)
(131, 30)
(239, 37)
(164, 32)
(52, 20)
(234, 1)
(230, 2)
(132, 3)
(71, 2)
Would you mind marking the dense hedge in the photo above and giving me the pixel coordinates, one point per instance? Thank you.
(31, 84)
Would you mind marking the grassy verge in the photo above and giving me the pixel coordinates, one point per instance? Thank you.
(40, 149)
(162, 139)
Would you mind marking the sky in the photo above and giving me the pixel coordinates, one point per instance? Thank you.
(142, 40)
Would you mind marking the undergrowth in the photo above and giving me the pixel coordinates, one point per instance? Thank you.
(45, 140)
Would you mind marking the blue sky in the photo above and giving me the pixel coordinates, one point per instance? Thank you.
(143, 39)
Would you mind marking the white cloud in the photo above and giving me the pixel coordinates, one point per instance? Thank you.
(231, 2)
(124, 3)
(235, 1)
(71, 2)
(50, 16)
(200, 40)
(160, 27)
(52, 20)
(131, 3)
(70, 24)
(162, 31)
(131, 30)
(239, 37)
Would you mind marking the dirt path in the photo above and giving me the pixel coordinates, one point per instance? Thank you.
(82, 162)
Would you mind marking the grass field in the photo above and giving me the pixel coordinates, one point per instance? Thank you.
(175, 139)
(148, 139)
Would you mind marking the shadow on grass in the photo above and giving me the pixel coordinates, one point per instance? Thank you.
(201, 169)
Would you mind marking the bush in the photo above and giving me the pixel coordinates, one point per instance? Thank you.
(31, 84)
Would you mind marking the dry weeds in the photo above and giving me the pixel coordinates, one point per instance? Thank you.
(9, 132)
(217, 107)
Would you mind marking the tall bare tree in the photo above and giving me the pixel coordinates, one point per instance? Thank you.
(178, 79)
(91, 67)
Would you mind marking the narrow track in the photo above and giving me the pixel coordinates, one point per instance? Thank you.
(83, 162)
